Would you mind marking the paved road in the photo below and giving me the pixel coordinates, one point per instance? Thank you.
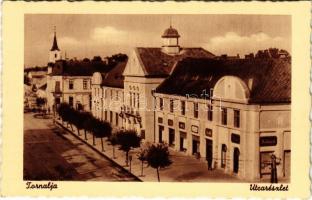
(49, 155)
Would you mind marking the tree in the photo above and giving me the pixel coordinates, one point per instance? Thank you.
(87, 124)
(72, 116)
(40, 102)
(63, 110)
(102, 129)
(142, 157)
(78, 119)
(158, 157)
(274, 52)
(128, 139)
(113, 141)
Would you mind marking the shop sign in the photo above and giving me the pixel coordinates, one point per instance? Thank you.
(194, 129)
(181, 125)
(268, 141)
(160, 120)
(170, 122)
(208, 132)
(235, 138)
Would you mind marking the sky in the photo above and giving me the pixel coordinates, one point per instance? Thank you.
(85, 35)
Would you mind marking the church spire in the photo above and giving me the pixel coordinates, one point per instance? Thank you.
(54, 46)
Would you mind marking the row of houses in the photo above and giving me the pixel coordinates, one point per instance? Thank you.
(232, 112)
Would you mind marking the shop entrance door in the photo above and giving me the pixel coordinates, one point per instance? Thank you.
(171, 137)
(209, 152)
(235, 160)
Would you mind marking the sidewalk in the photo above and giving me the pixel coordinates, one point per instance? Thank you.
(183, 168)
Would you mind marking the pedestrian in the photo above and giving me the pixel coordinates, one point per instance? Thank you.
(273, 169)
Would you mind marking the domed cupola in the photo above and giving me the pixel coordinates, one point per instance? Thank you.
(171, 41)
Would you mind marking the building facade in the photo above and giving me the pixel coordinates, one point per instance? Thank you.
(238, 124)
(233, 113)
(145, 70)
(68, 81)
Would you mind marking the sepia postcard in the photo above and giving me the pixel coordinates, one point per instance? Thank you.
(162, 99)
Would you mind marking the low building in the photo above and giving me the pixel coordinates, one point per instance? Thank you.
(108, 95)
(70, 80)
(232, 113)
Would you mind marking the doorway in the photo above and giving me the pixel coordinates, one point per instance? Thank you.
(182, 141)
(171, 137)
(236, 160)
(209, 152)
(160, 133)
(195, 145)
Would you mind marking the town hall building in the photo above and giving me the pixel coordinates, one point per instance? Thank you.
(233, 113)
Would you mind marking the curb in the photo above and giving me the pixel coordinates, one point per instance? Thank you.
(98, 151)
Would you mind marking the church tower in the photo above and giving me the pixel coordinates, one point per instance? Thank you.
(55, 52)
(170, 41)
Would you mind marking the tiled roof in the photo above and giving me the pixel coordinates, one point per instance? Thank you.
(271, 77)
(157, 63)
(79, 68)
(114, 77)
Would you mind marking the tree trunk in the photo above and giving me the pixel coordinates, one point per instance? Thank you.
(85, 134)
(127, 152)
(142, 168)
(114, 152)
(93, 138)
(102, 144)
(157, 169)
(78, 131)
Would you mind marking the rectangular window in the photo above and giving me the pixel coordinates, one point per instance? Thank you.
(111, 94)
(224, 116)
(182, 107)
(105, 115)
(85, 84)
(196, 110)
(57, 86)
(171, 105)
(117, 116)
(236, 118)
(130, 98)
(90, 102)
(209, 113)
(134, 100)
(71, 84)
(138, 100)
(71, 101)
(161, 103)
(110, 116)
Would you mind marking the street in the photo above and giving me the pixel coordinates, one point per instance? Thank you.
(50, 155)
